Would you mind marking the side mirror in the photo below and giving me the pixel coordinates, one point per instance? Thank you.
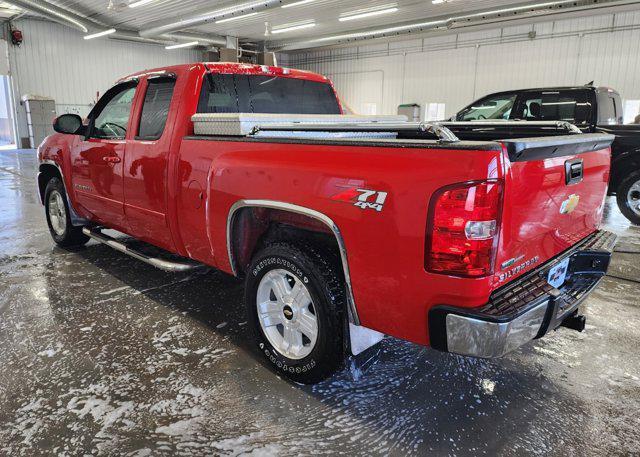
(70, 124)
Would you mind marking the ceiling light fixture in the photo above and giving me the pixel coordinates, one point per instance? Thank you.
(301, 2)
(367, 14)
(99, 34)
(182, 45)
(293, 27)
(233, 18)
(139, 3)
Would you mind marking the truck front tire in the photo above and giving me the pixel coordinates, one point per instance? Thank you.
(295, 303)
(628, 196)
(58, 216)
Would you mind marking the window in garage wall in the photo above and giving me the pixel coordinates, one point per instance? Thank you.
(631, 110)
(7, 127)
(7, 135)
(434, 111)
(361, 91)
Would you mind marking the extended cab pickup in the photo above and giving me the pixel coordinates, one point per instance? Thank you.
(593, 110)
(345, 228)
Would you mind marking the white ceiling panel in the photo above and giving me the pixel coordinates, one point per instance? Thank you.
(324, 14)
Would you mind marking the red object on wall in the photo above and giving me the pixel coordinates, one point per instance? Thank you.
(16, 37)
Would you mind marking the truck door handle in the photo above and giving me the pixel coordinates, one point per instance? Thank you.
(111, 159)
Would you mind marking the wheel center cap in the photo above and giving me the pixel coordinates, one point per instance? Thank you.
(288, 312)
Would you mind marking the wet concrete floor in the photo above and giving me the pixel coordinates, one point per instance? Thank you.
(103, 355)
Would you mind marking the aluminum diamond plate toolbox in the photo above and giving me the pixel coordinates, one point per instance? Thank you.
(242, 124)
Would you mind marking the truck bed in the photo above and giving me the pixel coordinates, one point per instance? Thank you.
(307, 165)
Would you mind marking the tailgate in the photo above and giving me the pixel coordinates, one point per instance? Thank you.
(553, 197)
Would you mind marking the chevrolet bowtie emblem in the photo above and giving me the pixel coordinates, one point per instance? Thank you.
(570, 204)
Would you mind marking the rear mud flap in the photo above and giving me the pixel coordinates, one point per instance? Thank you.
(359, 365)
(364, 349)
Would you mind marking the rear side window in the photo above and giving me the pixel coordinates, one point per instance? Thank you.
(563, 105)
(266, 94)
(609, 111)
(155, 108)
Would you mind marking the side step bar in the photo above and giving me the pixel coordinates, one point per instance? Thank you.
(166, 265)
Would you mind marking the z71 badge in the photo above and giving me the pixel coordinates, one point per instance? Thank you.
(362, 198)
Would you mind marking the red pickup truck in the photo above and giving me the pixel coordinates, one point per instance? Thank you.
(345, 228)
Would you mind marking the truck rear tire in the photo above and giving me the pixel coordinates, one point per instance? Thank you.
(628, 196)
(58, 216)
(295, 299)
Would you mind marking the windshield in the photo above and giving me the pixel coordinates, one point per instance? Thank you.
(234, 93)
(491, 107)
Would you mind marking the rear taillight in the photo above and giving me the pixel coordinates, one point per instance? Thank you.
(462, 230)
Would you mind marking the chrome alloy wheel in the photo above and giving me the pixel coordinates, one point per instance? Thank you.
(633, 197)
(286, 314)
(57, 213)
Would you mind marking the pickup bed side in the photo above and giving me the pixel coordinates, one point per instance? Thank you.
(385, 249)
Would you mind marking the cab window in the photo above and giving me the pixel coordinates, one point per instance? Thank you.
(155, 108)
(111, 116)
(491, 107)
(234, 93)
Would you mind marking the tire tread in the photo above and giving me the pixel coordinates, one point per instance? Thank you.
(326, 264)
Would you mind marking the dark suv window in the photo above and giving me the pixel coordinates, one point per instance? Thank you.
(561, 105)
(155, 108)
(609, 108)
(223, 93)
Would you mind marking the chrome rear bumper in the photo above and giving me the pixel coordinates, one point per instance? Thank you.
(524, 309)
(480, 338)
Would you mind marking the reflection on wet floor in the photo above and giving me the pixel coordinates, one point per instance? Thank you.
(102, 354)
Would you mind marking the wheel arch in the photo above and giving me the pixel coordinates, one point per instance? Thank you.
(47, 171)
(622, 166)
(260, 214)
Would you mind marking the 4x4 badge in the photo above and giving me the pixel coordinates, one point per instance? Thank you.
(362, 198)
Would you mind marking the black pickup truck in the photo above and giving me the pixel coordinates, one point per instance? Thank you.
(591, 109)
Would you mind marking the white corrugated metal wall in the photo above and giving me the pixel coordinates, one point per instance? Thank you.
(456, 69)
(57, 62)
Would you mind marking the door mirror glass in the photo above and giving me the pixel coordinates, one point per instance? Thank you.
(70, 124)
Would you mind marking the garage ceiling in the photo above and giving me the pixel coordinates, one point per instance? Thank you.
(324, 12)
(268, 16)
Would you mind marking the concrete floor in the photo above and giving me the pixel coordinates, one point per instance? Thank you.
(101, 354)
